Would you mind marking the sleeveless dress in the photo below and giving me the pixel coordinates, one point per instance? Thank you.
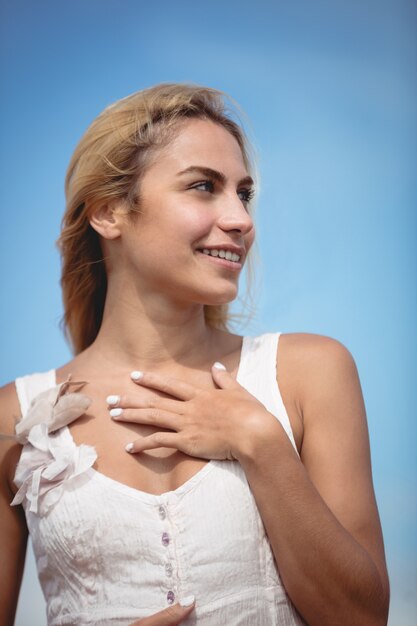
(108, 554)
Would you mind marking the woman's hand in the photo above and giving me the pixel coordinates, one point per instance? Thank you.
(205, 423)
(171, 616)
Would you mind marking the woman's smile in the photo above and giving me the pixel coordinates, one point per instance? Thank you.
(222, 259)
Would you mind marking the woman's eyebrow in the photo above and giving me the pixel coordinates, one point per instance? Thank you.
(214, 174)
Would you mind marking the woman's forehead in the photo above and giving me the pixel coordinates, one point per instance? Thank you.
(202, 143)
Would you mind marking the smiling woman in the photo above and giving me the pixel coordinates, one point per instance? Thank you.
(107, 170)
(182, 212)
(174, 472)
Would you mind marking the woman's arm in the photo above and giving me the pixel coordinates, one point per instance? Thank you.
(13, 530)
(320, 514)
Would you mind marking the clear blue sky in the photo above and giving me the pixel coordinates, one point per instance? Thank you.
(329, 88)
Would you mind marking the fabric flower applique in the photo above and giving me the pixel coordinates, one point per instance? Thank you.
(48, 461)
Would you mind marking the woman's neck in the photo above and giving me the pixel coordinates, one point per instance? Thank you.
(156, 335)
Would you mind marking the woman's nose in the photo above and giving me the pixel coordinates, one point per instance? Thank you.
(234, 216)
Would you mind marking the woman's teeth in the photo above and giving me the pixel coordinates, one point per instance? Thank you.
(223, 254)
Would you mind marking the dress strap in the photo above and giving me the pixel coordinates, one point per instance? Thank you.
(258, 375)
(28, 387)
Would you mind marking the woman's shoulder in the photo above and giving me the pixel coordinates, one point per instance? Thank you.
(311, 358)
(10, 408)
(314, 372)
(308, 363)
(305, 358)
(309, 348)
(15, 399)
(9, 448)
(315, 367)
(16, 396)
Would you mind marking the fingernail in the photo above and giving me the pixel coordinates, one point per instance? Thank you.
(187, 601)
(219, 366)
(112, 400)
(129, 447)
(115, 412)
(136, 375)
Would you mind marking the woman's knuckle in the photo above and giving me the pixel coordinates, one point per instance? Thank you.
(159, 439)
(154, 414)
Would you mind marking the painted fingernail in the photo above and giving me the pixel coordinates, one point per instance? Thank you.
(136, 375)
(187, 601)
(112, 400)
(219, 366)
(115, 412)
(129, 447)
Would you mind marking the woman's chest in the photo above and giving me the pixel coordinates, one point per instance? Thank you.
(154, 471)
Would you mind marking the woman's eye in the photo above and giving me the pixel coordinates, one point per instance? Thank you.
(204, 185)
(246, 195)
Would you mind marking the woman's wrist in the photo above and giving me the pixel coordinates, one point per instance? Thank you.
(262, 437)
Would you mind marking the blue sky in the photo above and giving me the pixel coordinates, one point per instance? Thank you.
(329, 89)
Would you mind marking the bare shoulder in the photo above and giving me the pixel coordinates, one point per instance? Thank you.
(315, 365)
(309, 351)
(9, 449)
(9, 408)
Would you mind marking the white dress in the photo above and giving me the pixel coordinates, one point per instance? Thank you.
(108, 554)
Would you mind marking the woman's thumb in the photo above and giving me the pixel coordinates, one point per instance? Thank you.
(171, 616)
(222, 377)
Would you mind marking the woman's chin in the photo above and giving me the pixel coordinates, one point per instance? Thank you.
(218, 300)
(207, 294)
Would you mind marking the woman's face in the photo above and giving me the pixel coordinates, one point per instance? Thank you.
(193, 197)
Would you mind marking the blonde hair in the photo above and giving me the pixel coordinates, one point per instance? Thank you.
(107, 165)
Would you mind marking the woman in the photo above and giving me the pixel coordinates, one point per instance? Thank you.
(230, 476)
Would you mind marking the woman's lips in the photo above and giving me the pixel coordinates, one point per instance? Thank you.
(231, 265)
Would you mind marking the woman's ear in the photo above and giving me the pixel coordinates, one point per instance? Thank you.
(107, 220)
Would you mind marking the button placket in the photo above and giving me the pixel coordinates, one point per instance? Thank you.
(166, 541)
